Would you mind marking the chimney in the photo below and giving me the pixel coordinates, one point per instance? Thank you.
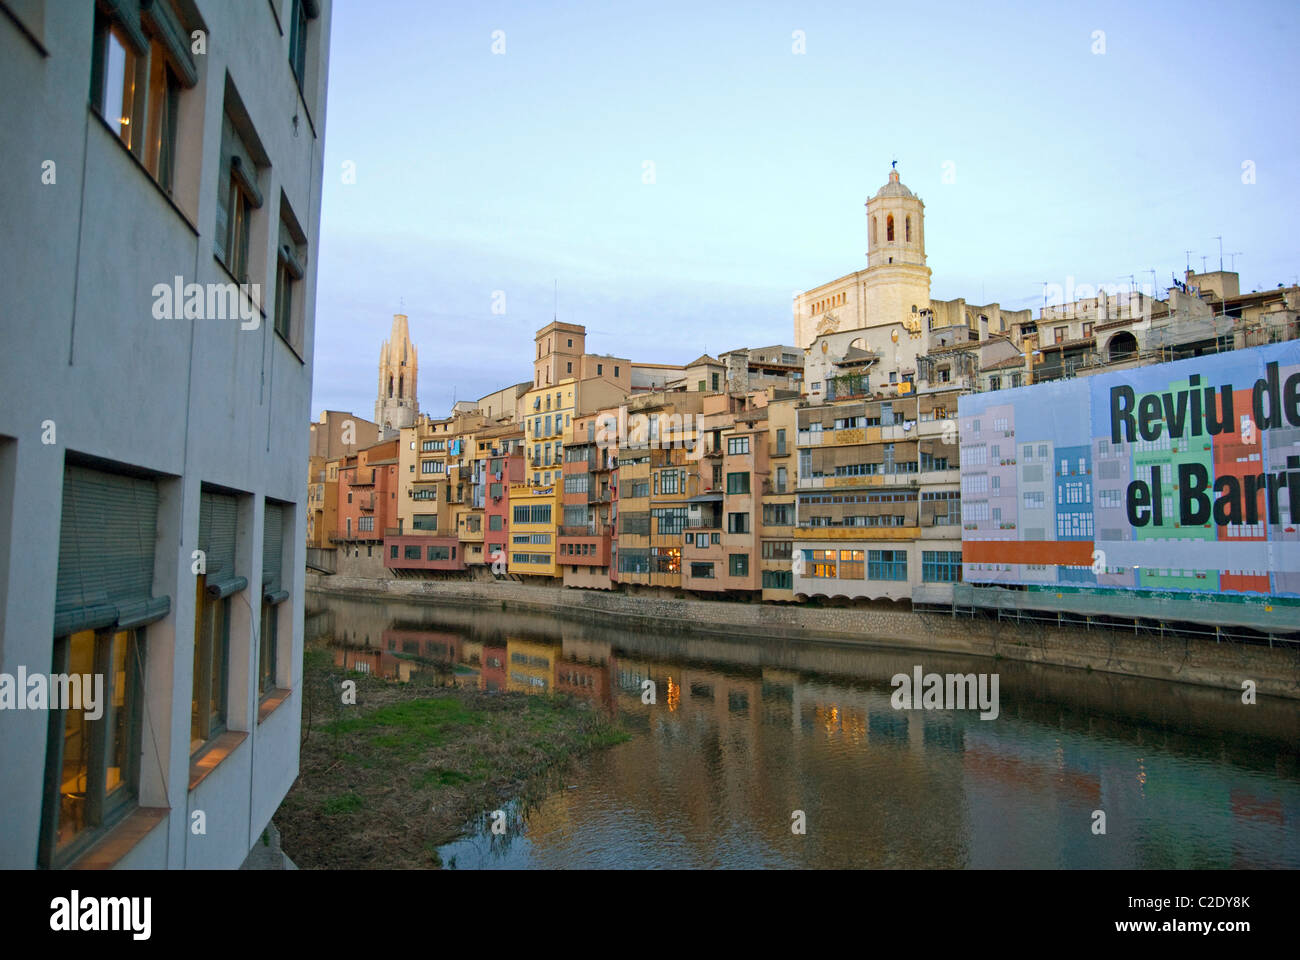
(984, 327)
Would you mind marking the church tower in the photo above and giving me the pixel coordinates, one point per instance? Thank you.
(896, 283)
(396, 405)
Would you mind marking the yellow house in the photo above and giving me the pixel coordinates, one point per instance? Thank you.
(534, 522)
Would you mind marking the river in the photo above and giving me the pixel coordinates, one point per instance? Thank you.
(746, 742)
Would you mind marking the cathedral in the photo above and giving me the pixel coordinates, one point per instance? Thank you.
(895, 286)
(396, 405)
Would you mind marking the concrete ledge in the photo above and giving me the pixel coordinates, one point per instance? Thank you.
(1275, 670)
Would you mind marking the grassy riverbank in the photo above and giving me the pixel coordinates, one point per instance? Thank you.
(384, 783)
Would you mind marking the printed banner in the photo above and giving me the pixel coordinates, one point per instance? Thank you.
(1181, 476)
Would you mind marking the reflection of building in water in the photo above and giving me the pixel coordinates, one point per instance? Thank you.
(531, 666)
(492, 676)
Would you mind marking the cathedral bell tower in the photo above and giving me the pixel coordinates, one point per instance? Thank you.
(896, 283)
(396, 405)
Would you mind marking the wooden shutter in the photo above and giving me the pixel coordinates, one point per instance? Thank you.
(218, 516)
(106, 552)
(272, 554)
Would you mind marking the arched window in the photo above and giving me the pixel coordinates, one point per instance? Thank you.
(400, 381)
(390, 387)
(889, 228)
(907, 228)
(874, 238)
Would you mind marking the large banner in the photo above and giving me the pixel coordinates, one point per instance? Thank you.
(1181, 476)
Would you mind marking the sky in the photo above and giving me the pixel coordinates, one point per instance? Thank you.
(1049, 146)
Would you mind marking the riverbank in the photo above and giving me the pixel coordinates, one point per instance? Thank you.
(1275, 671)
(385, 782)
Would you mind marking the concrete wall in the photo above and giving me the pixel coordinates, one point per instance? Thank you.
(1276, 670)
(189, 401)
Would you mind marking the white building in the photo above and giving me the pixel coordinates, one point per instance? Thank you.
(169, 139)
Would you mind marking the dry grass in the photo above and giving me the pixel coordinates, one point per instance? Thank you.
(384, 783)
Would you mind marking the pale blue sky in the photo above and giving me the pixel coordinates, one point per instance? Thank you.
(478, 172)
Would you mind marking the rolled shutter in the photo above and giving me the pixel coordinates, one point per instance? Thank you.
(218, 516)
(126, 13)
(106, 553)
(158, 19)
(272, 553)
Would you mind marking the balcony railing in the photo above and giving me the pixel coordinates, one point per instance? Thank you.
(393, 531)
(584, 530)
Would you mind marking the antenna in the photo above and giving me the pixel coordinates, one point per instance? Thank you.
(1220, 239)
(1232, 259)
(1203, 259)
(1189, 261)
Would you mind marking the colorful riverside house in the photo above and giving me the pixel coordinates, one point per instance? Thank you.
(1166, 455)
(657, 430)
(480, 449)
(505, 466)
(584, 534)
(534, 522)
(776, 528)
(367, 497)
(858, 519)
(720, 553)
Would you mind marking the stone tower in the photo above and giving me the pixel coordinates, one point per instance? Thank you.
(396, 405)
(896, 283)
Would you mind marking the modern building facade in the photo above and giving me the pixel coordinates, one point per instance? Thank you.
(160, 323)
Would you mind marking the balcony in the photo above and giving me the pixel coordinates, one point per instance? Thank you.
(584, 530)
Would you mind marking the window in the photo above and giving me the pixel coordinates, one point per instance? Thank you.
(101, 606)
(702, 571)
(412, 552)
(600, 369)
(435, 553)
(716, 382)
(738, 483)
(217, 536)
(738, 564)
(737, 445)
(139, 65)
(238, 195)
(92, 765)
(820, 564)
(778, 580)
(780, 441)
(366, 525)
(671, 520)
(737, 523)
(273, 594)
(887, 564)
(289, 270)
(777, 549)
(298, 17)
(715, 539)
(851, 565)
(424, 521)
(616, 372)
(778, 514)
(941, 566)
(394, 552)
(781, 479)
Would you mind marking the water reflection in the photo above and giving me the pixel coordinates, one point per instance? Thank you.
(744, 733)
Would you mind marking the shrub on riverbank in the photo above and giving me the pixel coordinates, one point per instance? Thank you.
(386, 782)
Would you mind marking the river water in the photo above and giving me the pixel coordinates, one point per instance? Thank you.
(744, 734)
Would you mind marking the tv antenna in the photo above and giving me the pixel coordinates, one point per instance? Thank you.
(1220, 239)
(1232, 259)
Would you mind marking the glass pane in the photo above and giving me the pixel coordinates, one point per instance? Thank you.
(157, 110)
(196, 725)
(119, 713)
(119, 84)
(77, 732)
(218, 635)
(269, 619)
